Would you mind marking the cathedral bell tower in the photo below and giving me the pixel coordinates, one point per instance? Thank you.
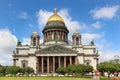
(76, 37)
(35, 38)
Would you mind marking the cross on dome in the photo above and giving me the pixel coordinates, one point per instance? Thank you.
(55, 10)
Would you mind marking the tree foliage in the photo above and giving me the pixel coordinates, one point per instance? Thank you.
(13, 70)
(88, 68)
(61, 70)
(71, 69)
(3, 70)
(108, 67)
(80, 68)
(29, 70)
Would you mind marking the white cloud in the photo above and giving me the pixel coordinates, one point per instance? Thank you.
(107, 12)
(8, 43)
(2, 61)
(104, 50)
(71, 24)
(108, 55)
(101, 45)
(41, 41)
(26, 41)
(43, 15)
(23, 15)
(87, 37)
(97, 25)
(7, 39)
(30, 25)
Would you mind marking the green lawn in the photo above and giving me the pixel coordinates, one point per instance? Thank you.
(43, 78)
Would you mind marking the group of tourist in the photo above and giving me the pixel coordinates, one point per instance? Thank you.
(109, 75)
(96, 75)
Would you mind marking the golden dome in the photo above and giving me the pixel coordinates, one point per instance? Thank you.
(76, 33)
(35, 33)
(55, 17)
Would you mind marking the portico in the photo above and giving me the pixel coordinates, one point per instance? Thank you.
(49, 64)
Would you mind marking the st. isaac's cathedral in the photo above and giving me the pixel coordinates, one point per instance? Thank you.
(55, 51)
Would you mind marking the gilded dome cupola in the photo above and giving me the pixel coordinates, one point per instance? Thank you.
(55, 21)
(35, 33)
(76, 33)
(55, 29)
(55, 17)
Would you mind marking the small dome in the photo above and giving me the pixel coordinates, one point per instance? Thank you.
(76, 33)
(35, 33)
(55, 17)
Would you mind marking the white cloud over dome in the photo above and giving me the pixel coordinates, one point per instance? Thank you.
(71, 24)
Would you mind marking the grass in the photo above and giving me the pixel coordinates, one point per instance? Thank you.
(43, 78)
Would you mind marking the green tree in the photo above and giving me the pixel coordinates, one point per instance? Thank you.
(0, 65)
(3, 70)
(13, 70)
(61, 70)
(22, 70)
(108, 67)
(71, 69)
(29, 70)
(79, 68)
(87, 68)
(118, 67)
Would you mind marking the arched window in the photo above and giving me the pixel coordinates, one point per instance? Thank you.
(24, 63)
(88, 61)
(77, 41)
(34, 42)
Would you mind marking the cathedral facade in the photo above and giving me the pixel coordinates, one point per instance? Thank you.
(55, 51)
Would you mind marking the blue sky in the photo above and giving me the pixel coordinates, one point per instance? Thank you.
(97, 20)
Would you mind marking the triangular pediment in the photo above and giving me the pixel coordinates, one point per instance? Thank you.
(57, 49)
